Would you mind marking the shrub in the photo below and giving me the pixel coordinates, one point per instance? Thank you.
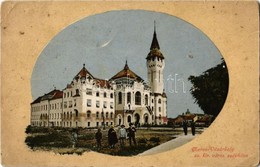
(142, 140)
(54, 139)
(155, 139)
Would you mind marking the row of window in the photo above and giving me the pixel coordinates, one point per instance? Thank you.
(70, 94)
(68, 124)
(69, 104)
(68, 115)
(89, 104)
(89, 92)
(101, 115)
(45, 107)
(138, 98)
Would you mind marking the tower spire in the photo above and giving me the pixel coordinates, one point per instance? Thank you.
(126, 66)
(155, 43)
(154, 24)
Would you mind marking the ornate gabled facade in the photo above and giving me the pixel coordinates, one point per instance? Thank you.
(91, 102)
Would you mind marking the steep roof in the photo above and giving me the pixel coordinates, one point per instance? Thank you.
(155, 48)
(155, 43)
(83, 73)
(54, 94)
(126, 72)
(103, 83)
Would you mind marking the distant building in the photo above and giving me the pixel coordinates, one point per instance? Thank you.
(91, 102)
(199, 119)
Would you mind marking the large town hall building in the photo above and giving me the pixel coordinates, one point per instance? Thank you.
(92, 102)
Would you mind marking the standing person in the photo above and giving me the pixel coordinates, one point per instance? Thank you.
(193, 128)
(122, 135)
(98, 137)
(112, 137)
(185, 127)
(131, 134)
(74, 138)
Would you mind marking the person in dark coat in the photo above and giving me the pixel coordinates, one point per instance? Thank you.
(98, 137)
(193, 128)
(131, 134)
(112, 137)
(185, 127)
(74, 138)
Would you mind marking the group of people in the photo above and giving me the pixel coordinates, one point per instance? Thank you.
(185, 127)
(123, 134)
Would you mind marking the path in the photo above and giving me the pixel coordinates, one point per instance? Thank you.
(172, 144)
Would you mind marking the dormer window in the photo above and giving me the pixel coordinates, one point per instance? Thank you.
(89, 91)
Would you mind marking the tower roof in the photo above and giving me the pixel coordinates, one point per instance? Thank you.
(155, 43)
(155, 47)
(83, 73)
(126, 72)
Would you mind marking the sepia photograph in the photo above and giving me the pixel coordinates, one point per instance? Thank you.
(125, 83)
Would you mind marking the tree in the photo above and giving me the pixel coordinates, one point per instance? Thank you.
(210, 89)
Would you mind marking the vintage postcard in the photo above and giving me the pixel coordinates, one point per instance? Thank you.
(130, 83)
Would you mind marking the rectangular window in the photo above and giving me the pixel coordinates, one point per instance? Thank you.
(128, 97)
(65, 104)
(89, 91)
(75, 103)
(97, 124)
(70, 104)
(111, 105)
(105, 104)
(89, 102)
(88, 124)
(97, 104)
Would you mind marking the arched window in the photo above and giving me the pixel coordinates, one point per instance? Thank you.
(88, 114)
(76, 113)
(120, 98)
(160, 117)
(106, 114)
(97, 114)
(105, 94)
(77, 92)
(137, 98)
(111, 115)
(97, 94)
(70, 115)
(111, 95)
(146, 99)
(102, 114)
(128, 97)
(129, 119)
(159, 101)
(159, 109)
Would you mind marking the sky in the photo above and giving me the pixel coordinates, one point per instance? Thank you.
(103, 42)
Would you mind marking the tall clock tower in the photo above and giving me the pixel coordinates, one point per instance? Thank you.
(155, 63)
